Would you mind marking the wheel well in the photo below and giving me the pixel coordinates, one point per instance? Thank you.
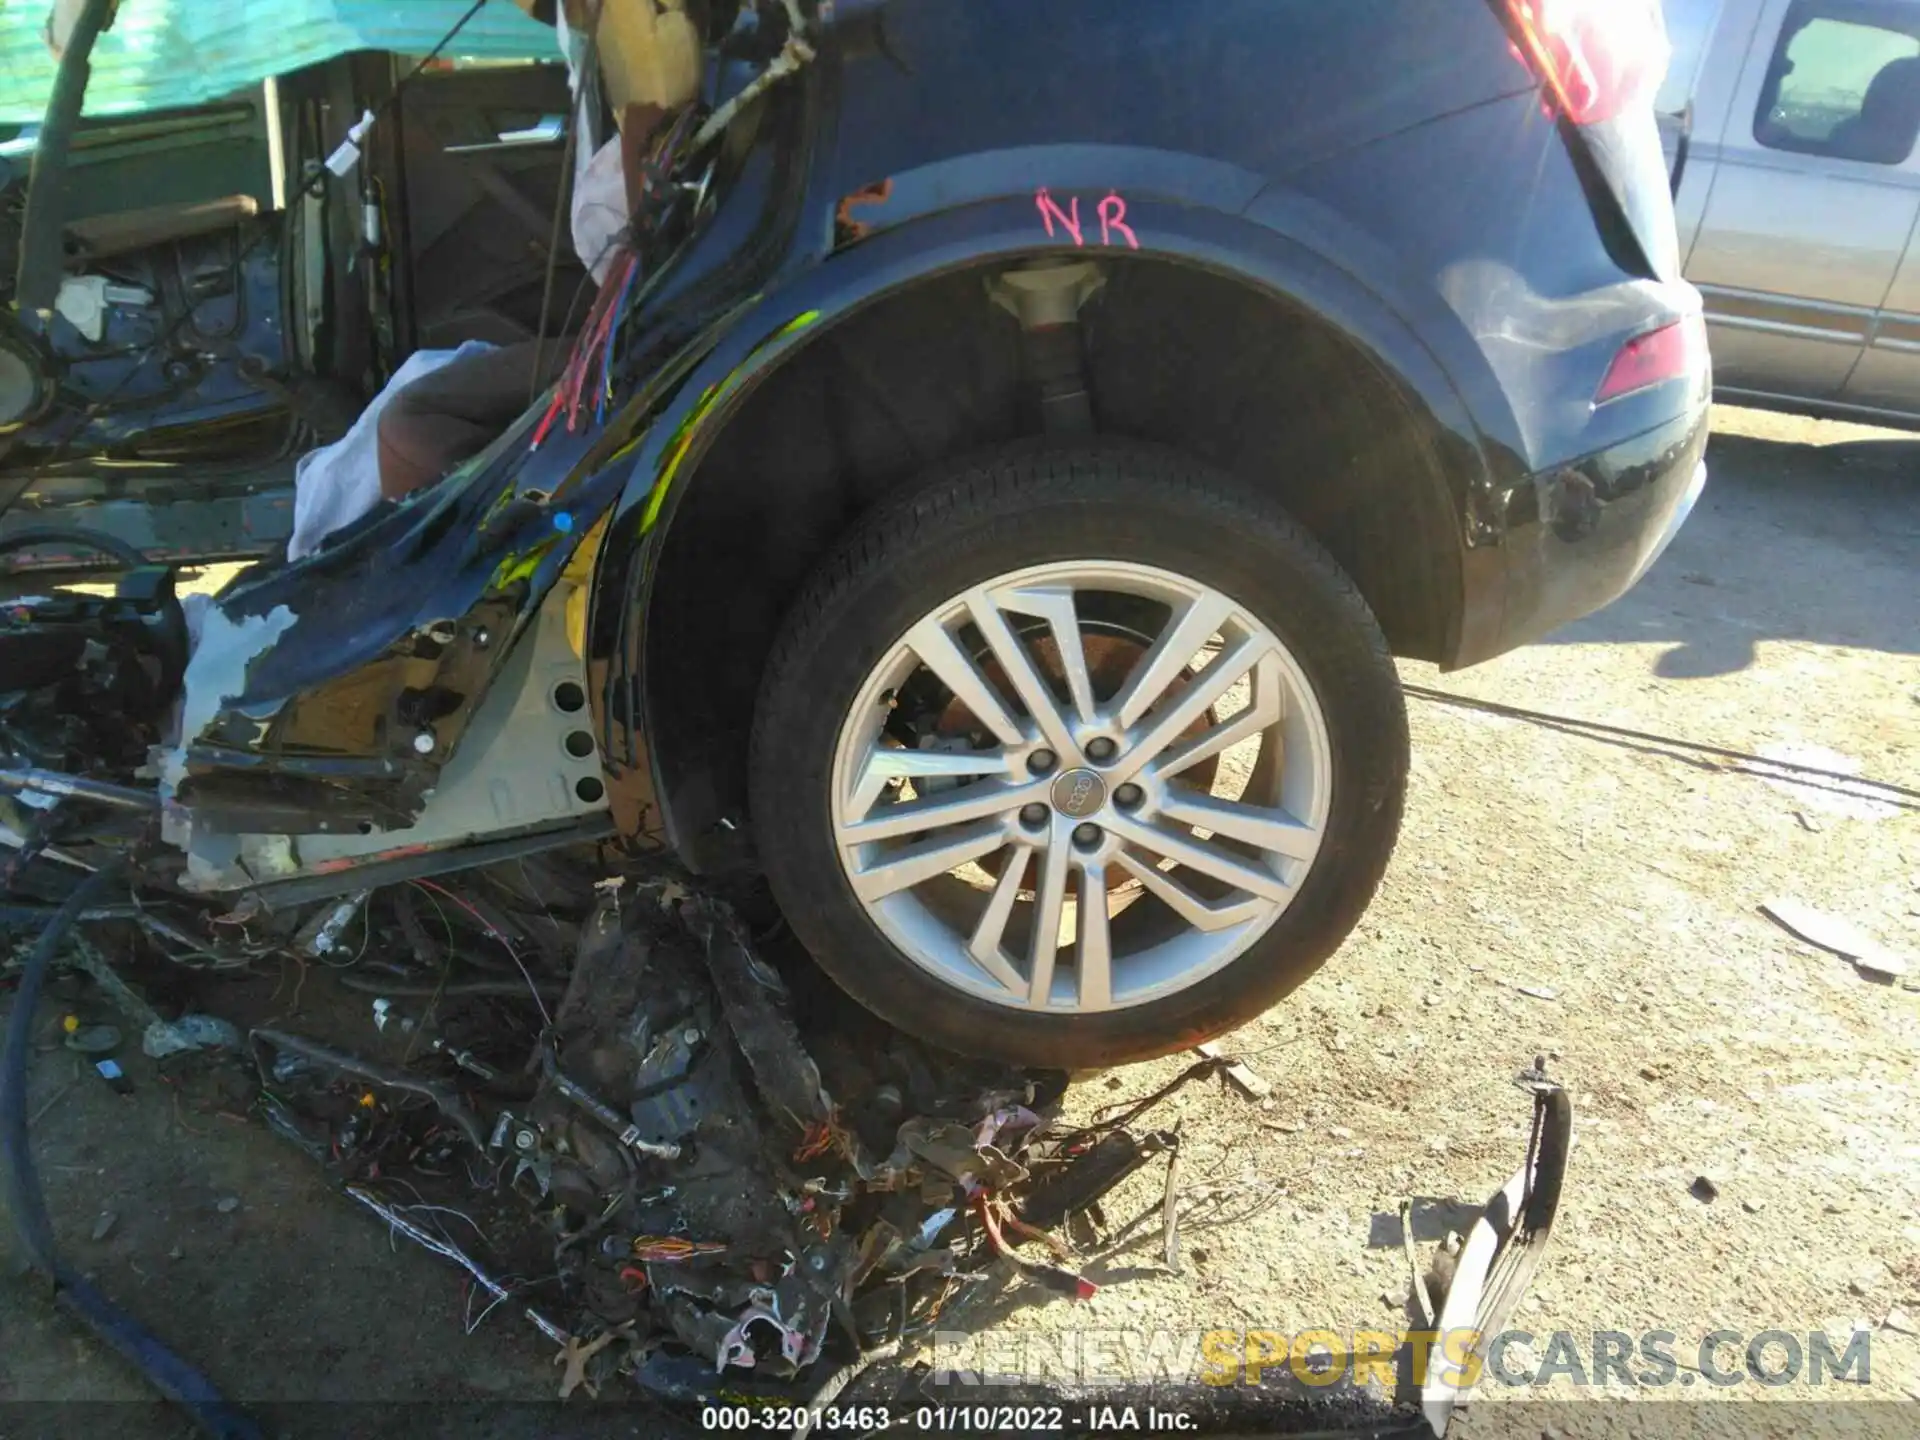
(1245, 380)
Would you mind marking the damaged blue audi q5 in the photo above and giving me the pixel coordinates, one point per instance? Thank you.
(973, 491)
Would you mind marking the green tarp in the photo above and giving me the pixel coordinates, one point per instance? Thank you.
(163, 53)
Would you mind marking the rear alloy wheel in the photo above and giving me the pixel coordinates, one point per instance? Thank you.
(1073, 757)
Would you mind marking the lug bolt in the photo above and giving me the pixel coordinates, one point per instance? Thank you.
(1102, 750)
(423, 742)
(1086, 836)
(1128, 796)
(1033, 816)
(1041, 761)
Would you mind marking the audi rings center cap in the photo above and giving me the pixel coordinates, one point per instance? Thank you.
(1079, 793)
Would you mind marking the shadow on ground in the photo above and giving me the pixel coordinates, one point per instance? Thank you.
(1720, 592)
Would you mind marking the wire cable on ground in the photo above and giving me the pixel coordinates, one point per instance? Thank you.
(27, 1206)
(1594, 729)
(835, 1384)
(507, 944)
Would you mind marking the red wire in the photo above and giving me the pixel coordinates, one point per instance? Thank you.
(595, 331)
(485, 924)
(601, 327)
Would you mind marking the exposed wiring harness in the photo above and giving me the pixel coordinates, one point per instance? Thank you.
(589, 369)
(795, 54)
(596, 334)
(594, 353)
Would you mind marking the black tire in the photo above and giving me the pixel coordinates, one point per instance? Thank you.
(1029, 505)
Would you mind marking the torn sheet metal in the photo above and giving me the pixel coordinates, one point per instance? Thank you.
(1502, 1251)
(215, 675)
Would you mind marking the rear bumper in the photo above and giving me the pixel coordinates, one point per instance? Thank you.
(1691, 497)
(1580, 536)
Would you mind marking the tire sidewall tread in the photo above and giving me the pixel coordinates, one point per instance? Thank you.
(983, 516)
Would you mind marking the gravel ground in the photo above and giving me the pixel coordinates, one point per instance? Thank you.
(1599, 903)
(1593, 902)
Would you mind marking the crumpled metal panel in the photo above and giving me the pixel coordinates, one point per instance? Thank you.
(163, 53)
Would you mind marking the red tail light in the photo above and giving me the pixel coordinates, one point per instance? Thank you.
(1597, 57)
(1672, 353)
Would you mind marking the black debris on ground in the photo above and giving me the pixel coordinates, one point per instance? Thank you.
(604, 1103)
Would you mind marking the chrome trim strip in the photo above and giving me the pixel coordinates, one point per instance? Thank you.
(1786, 315)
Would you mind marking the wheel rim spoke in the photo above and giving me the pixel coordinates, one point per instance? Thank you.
(929, 640)
(1267, 710)
(1093, 941)
(1021, 675)
(967, 859)
(886, 764)
(1198, 855)
(1203, 916)
(987, 945)
(919, 863)
(1050, 898)
(1170, 656)
(1225, 671)
(1263, 828)
(1055, 605)
(938, 812)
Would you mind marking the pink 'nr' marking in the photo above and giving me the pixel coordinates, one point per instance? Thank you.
(1069, 220)
(1113, 217)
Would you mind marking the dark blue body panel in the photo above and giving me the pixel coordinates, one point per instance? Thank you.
(1383, 165)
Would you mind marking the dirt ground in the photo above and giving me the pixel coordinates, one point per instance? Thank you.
(1593, 902)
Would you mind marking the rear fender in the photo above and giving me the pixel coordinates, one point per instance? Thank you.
(893, 236)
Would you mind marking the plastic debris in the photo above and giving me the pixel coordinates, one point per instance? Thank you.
(1240, 1075)
(1841, 937)
(89, 1039)
(346, 155)
(189, 1033)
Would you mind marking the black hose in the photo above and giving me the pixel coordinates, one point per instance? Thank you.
(78, 787)
(831, 1388)
(458, 989)
(27, 1206)
(43, 228)
(69, 535)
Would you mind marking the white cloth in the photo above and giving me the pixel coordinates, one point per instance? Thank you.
(338, 483)
(599, 209)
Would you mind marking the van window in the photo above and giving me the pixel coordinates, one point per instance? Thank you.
(1844, 82)
(1690, 26)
